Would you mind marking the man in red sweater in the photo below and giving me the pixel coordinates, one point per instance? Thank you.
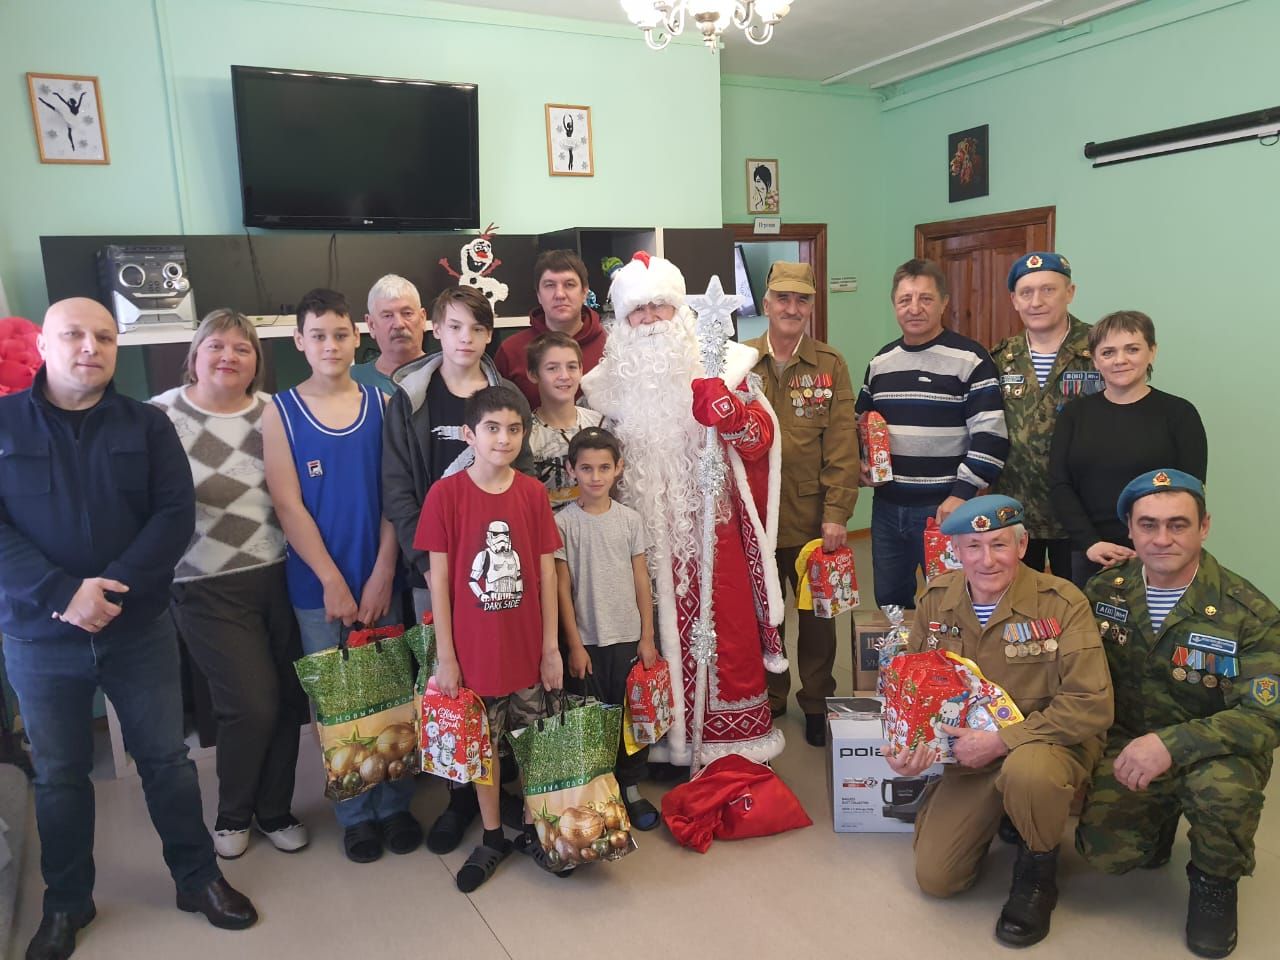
(562, 298)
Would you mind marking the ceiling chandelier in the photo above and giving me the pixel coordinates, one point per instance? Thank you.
(663, 19)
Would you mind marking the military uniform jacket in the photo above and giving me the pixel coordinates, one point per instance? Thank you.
(813, 398)
(1030, 413)
(1220, 614)
(1064, 695)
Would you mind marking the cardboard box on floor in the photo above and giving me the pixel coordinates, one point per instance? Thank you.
(866, 795)
(866, 659)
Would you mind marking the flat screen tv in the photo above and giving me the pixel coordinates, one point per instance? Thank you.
(334, 152)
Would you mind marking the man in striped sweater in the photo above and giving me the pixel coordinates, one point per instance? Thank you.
(940, 395)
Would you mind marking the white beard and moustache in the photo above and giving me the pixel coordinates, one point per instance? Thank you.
(649, 371)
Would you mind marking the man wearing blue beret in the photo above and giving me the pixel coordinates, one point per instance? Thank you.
(1195, 655)
(1032, 634)
(1042, 369)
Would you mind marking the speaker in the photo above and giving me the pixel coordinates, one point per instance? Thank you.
(146, 285)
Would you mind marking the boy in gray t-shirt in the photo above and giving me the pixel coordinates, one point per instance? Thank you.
(606, 603)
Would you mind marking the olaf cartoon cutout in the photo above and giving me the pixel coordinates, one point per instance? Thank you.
(478, 264)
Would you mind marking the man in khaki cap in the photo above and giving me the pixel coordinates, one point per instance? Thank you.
(808, 384)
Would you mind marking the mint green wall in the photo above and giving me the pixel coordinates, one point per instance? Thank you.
(1189, 239)
(164, 70)
(827, 144)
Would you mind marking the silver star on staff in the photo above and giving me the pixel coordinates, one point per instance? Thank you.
(715, 323)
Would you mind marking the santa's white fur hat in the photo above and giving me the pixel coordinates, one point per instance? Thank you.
(646, 279)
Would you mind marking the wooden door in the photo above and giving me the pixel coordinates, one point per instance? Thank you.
(976, 254)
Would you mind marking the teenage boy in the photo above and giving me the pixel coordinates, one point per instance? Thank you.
(555, 365)
(322, 445)
(560, 277)
(606, 604)
(491, 540)
(423, 443)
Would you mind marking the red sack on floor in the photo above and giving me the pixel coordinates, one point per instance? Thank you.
(731, 798)
(922, 690)
(649, 703)
(454, 736)
(939, 554)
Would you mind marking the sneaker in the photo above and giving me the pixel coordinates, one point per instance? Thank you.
(285, 833)
(230, 844)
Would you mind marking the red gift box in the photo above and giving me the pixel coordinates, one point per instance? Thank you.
(649, 701)
(833, 582)
(922, 691)
(939, 554)
(454, 739)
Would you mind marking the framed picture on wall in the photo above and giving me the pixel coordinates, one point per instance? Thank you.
(968, 166)
(569, 148)
(67, 113)
(762, 187)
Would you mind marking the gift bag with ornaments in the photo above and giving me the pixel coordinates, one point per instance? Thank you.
(365, 717)
(566, 762)
(939, 554)
(455, 740)
(647, 715)
(828, 582)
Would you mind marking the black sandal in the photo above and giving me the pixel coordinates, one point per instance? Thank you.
(363, 842)
(642, 814)
(480, 866)
(446, 833)
(527, 843)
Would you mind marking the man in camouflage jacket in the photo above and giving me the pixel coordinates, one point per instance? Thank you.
(1194, 652)
(1041, 290)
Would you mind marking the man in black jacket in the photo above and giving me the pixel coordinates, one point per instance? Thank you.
(96, 509)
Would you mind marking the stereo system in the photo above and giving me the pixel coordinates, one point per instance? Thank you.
(146, 285)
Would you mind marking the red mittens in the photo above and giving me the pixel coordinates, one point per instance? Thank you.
(714, 405)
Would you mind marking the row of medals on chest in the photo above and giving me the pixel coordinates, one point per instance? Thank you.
(810, 394)
(1189, 666)
(1029, 639)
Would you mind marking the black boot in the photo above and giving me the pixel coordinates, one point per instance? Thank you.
(1007, 831)
(1032, 897)
(1164, 846)
(1211, 914)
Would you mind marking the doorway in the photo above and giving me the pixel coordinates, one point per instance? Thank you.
(976, 253)
(797, 242)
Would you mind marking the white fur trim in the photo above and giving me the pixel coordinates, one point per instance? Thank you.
(635, 284)
(676, 741)
(739, 360)
(761, 750)
(766, 532)
(776, 664)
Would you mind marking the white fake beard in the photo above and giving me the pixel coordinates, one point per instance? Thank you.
(650, 371)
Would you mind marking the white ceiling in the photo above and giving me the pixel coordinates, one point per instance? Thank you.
(865, 42)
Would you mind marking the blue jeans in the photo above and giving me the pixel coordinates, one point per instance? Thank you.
(385, 799)
(55, 681)
(897, 549)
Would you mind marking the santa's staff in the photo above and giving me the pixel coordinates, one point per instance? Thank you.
(715, 329)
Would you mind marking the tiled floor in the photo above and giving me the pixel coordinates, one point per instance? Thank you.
(808, 893)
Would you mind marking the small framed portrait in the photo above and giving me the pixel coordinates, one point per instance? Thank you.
(569, 149)
(968, 166)
(762, 186)
(67, 113)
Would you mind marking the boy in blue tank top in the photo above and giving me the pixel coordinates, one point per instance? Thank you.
(322, 445)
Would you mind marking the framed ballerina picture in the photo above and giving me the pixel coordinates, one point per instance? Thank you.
(569, 149)
(67, 112)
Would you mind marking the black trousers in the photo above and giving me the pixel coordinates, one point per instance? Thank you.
(609, 668)
(1057, 552)
(240, 630)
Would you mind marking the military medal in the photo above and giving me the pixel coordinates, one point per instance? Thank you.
(1179, 674)
(1034, 648)
(1122, 635)
(1103, 627)
(1210, 680)
(1050, 645)
(1193, 676)
(1023, 651)
(1011, 651)
(1210, 610)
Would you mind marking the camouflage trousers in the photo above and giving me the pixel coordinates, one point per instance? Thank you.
(1221, 798)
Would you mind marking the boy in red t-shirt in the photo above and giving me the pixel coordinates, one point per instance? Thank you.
(492, 540)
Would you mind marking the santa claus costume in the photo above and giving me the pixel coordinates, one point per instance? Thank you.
(651, 384)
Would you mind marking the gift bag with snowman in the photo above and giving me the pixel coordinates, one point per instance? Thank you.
(647, 716)
(828, 582)
(455, 740)
(939, 553)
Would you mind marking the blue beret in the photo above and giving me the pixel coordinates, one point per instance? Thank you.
(1156, 481)
(982, 514)
(1039, 260)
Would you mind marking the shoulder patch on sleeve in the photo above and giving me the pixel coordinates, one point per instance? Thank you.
(1265, 690)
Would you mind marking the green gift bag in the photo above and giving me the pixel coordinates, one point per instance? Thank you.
(365, 715)
(566, 762)
(421, 639)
